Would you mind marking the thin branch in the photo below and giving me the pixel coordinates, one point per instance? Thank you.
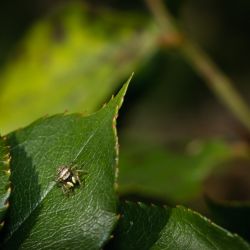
(200, 61)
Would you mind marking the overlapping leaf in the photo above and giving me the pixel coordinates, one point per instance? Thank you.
(41, 215)
(150, 227)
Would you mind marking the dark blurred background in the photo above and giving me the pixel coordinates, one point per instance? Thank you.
(178, 141)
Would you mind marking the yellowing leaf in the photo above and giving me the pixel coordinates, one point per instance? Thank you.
(73, 60)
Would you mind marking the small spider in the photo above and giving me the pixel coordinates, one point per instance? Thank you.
(68, 178)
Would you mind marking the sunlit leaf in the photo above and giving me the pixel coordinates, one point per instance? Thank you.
(72, 60)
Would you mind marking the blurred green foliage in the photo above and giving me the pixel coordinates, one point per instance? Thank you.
(72, 61)
(153, 171)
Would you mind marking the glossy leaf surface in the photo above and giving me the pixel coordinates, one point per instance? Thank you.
(151, 227)
(41, 215)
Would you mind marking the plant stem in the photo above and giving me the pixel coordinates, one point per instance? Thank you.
(200, 61)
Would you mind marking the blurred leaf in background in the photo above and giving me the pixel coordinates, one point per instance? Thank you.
(72, 59)
(154, 171)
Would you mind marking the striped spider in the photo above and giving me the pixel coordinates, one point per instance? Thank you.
(68, 178)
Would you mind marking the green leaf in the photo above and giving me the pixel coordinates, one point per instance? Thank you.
(72, 60)
(41, 215)
(233, 215)
(4, 179)
(150, 227)
(157, 172)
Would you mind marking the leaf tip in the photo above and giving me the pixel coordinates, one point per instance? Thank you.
(122, 92)
(128, 82)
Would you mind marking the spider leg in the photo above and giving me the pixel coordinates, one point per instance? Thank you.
(73, 167)
(78, 179)
(64, 189)
(82, 172)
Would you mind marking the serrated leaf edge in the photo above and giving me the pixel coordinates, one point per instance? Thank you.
(190, 211)
(114, 128)
(122, 92)
(228, 233)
